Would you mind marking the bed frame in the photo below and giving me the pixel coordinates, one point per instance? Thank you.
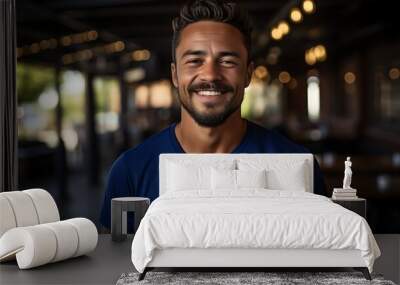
(249, 259)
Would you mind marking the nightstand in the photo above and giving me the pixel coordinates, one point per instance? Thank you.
(119, 208)
(358, 205)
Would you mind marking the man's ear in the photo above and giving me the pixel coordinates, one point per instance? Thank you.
(249, 73)
(174, 74)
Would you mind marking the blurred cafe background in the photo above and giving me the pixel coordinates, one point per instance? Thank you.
(93, 79)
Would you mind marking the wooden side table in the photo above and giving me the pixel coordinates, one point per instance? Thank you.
(119, 208)
(358, 205)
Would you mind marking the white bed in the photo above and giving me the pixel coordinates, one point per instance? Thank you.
(213, 224)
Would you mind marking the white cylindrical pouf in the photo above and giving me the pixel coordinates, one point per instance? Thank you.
(40, 244)
(7, 218)
(23, 208)
(87, 234)
(45, 205)
(67, 239)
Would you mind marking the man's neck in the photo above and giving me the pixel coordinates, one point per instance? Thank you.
(221, 139)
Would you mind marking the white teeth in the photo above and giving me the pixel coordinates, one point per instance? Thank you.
(209, 93)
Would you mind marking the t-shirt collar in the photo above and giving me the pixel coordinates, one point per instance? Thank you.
(178, 148)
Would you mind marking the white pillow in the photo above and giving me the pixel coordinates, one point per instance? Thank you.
(182, 178)
(281, 175)
(251, 178)
(295, 181)
(223, 179)
(186, 175)
(237, 179)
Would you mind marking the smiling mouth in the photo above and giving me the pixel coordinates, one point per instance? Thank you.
(210, 92)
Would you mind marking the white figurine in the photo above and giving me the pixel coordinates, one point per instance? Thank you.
(347, 174)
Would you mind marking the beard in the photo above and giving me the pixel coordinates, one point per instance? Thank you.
(211, 119)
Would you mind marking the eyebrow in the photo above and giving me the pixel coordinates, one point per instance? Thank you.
(203, 53)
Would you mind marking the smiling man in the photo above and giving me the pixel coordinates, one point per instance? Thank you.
(211, 66)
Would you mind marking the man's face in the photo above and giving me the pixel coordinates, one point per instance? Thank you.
(211, 71)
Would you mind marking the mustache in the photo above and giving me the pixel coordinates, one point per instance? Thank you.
(215, 85)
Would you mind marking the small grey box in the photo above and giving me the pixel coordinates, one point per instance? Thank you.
(119, 208)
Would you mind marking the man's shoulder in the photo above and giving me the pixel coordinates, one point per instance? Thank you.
(149, 148)
(279, 142)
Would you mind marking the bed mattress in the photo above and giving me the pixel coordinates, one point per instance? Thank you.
(251, 219)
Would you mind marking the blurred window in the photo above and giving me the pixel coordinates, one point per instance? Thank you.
(263, 102)
(108, 104)
(160, 94)
(73, 89)
(154, 95)
(37, 100)
(387, 91)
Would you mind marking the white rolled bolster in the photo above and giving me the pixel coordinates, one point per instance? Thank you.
(26, 208)
(40, 244)
(45, 205)
(66, 238)
(7, 218)
(23, 208)
(33, 246)
(87, 235)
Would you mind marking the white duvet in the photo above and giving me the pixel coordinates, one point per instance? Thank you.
(253, 218)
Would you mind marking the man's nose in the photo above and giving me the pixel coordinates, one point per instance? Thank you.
(210, 72)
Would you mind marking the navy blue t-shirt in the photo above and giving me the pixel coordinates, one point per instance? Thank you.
(135, 172)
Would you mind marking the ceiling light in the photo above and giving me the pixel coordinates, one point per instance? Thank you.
(276, 34)
(308, 6)
(92, 35)
(284, 77)
(141, 55)
(261, 72)
(320, 52)
(314, 54)
(44, 44)
(394, 73)
(349, 77)
(295, 15)
(310, 57)
(35, 48)
(119, 46)
(66, 41)
(283, 26)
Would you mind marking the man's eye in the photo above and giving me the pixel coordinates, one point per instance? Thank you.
(194, 61)
(228, 63)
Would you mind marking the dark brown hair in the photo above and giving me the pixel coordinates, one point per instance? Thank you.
(212, 10)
